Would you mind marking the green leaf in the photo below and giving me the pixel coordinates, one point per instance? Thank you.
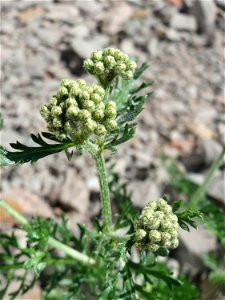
(1, 121)
(126, 134)
(31, 154)
(177, 204)
(139, 71)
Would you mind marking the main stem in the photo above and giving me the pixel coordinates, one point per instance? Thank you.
(51, 241)
(104, 187)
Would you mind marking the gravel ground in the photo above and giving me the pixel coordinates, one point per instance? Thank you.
(45, 41)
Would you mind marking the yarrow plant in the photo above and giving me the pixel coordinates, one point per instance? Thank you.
(95, 264)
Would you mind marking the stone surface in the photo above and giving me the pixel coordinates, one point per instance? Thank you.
(183, 22)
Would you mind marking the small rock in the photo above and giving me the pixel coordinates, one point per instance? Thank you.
(85, 47)
(115, 20)
(205, 14)
(172, 35)
(48, 37)
(211, 150)
(73, 193)
(153, 47)
(183, 22)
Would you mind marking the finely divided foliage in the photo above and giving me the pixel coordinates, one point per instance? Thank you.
(96, 264)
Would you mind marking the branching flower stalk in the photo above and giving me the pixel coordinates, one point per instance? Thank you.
(52, 242)
(94, 117)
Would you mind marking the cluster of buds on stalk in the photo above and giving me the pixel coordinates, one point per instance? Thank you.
(78, 110)
(109, 63)
(156, 227)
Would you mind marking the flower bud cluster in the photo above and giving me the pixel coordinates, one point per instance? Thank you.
(107, 64)
(157, 227)
(78, 110)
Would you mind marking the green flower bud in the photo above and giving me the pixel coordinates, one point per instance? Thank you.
(81, 83)
(173, 233)
(69, 127)
(96, 55)
(52, 102)
(127, 75)
(61, 136)
(90, 126)
(153, 247)
(72, 112)
(44, 112)
(56, 111)
(131, 65)
(100, 130)
(85, 95)
(109, 61)
(84, 115)
(140, 234)
(111, 125)
(57, 122)
(118, 55)
(151, 206)
(96, 98)
(174, 243)
(165, 225)
(120, 67)
(110, 112)
(98, 114)
(154, 236)
(98, 90)
(71, 102)
(99, 68)
(89, 105)
(62, 93)
(75, 90)
(88, 65)
(109, 51)
(67, 83)
(165, 237)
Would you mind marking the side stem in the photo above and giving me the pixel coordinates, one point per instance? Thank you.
(51, 241)
(201, 190)
(104, 187)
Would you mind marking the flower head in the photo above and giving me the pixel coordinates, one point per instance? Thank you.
(157, 227)
(77, 111)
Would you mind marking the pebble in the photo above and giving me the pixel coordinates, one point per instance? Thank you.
(183, 22)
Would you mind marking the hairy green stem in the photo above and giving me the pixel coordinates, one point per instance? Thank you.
(201, 190)
(104, 186)
(51, 241)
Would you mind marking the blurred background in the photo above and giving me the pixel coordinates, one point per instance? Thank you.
(43, 42)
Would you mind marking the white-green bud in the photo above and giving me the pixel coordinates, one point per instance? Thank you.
(110, 112)
(140, 234)
(99, 68)
(88, 64)
(131, 65)
(44, 112)
(120, 67)
(109, 51)
(100, 130)
(90, 126)
(62, 92)
(98, 114)
(111, 125)
(127, 75)
(61, 136)
(52, 102)
(96, 98)
(84, 115)
(75, 90)
(153, 247)
(96, 55)
(89, 105)
(66, 83)
(174, 243)
(57, 122)
(85, 95)
(154, 236)
(70, 102)
(109, 61)
(98, 90)
(81, 83)
(56, 111)
(69, 127)
(166, 225)
(72, 112)
(165, 237)
(118, 55)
